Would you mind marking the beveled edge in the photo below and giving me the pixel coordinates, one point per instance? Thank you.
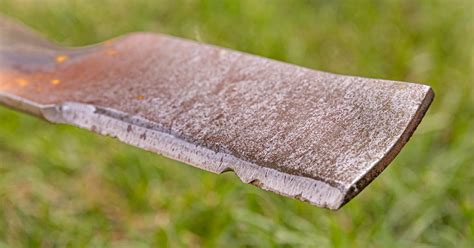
(136, 131)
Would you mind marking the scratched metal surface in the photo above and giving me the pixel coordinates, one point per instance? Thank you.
(311, 135)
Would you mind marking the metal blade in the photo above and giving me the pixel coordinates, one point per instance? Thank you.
(310, 135)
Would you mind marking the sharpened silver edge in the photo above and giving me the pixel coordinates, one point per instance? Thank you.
(86, 116)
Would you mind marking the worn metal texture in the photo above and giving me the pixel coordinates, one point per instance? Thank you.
(311, 135)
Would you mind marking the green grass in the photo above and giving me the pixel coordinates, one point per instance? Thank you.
(63, 186)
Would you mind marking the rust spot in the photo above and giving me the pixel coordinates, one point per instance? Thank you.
(61, 58)
(55, 81)
(141, 98)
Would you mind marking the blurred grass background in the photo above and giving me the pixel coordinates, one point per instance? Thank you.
(63, 186)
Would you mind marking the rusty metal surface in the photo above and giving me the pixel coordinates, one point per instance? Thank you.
(311, 135)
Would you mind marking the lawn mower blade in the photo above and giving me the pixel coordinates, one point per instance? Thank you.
(310, 135)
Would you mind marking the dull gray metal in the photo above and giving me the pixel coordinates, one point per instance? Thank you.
(315, 136)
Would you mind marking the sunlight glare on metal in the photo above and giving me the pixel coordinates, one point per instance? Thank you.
(61, 58)
(22, 82)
